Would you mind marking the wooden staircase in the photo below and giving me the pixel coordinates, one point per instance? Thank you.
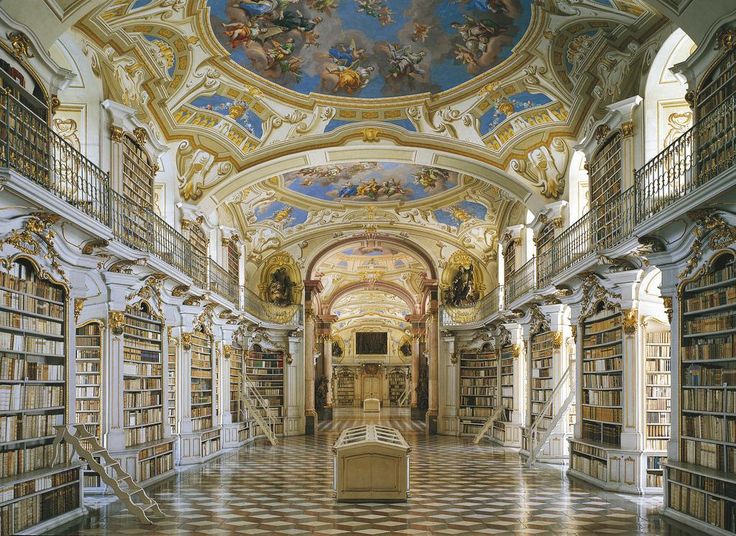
(87, 447)
(257, 407)
(488, 424)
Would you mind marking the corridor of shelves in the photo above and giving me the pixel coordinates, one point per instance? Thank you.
(456, 488)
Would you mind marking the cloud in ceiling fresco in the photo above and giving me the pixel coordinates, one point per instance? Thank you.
(371, 182)
(369, 48)
(281, 214)
(459, 213)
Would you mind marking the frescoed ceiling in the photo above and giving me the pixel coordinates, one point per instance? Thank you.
(369, 48)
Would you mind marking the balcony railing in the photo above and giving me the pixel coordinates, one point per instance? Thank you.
(222, 282)
(251, 302)
(521, 281)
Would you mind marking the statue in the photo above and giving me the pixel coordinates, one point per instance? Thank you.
(462, 291)
(336, 349)
(280, 287)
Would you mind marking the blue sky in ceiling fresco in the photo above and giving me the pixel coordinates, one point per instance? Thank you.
(520, 101)
(281, 214)
(457, 214)
(403, 123)
(155, 39)
(369, 48)
(222, 105)
(370, 182)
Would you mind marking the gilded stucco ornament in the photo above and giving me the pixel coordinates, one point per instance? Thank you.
(594, 293)
(516, 351)
(36, 238)
(630, 320)
(180, 291)
(116, 133)
(668, 306)
(539, 322)
(545, 167)
(116, 319)
(78, 306)
(720, 234)
(20, 44)
(89, 247)
(556, 340)
(186, 341)
(726, 39)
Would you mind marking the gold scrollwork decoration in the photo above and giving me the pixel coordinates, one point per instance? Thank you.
(21, 44)
(630, 320)
(556, 340)
(179, 291)
(116, 134)
(668, 307)
(726, 39)
(116, 320)
(594, 293)
(516, 351)
(719, 232)
(78, 306)
(35, 235)
(186, 341)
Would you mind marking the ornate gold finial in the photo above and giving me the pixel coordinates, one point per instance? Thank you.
(630, 320)
(556, 340)
(726, 39)
(668, 306)
(78, 306)
(371, 135)
(117, 322)
(627, 128)
(140, 135)
(116, 133)
(186, 341)
(21, 44)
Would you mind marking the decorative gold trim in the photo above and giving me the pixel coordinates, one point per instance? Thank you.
(33, 236)
(88, 248)
(668, 306)
(116, 320)
(722, 234)
(630, 320)
(193, 299)
(186, 341)
(141, 136)
(726, 39)
(454, 357)
(21, 44)
(627, 129)
(78, 306)
(594, 293)
(556, 340)
(116, 134)
(180, 291)
(54, 103)
(371, 135)
(516, 351)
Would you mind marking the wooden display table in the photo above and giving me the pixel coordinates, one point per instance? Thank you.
(371, 405)
(371, 463)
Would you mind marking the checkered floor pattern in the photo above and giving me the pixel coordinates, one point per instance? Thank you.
(457, 488)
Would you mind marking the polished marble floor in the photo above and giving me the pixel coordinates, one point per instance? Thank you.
(457, 488)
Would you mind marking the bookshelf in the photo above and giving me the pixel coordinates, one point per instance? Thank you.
(658, 404)
(33, 360)
(701, 484)
(478, 389)
(396, 386)
(143, 376)
(506, 432)
(148, 446)
(265, 370)
(345, 397)
(238, 431)
(171, 384)
(541, 385)
(203, 387)
(88, 388)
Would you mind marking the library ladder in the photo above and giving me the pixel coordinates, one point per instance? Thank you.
(404, 398)
(488, 424)
(99, 459)
(250, 393)
(538, 444)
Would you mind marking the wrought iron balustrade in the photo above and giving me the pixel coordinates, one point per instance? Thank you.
(255, 305)
(222, 282)
(521, 281)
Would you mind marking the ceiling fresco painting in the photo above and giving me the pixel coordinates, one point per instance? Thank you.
(281, 214)
(371, 182)
(504, 107)
(369, 48)
(458, 213)
(236, 110)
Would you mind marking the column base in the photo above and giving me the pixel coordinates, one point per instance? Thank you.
(310, 422)
(554, 451)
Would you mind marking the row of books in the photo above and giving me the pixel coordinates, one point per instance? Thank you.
(603, 325)
(721, 275)
(88, 353)
(609, 434)
(88, 392)
(602, 398)
(612, 364)
(656, 392)
(88, 366)
(34, 485)
(710, 298)
(137, 436)
(262, 363)
(706, 349)
(24, 281)
(22, 396)
(476, 400)
(201, 374)
(611, 415)
(30, 344)
(18, 368)
(141, 384)
(607, 337)
(658, 431)
(142, 369)
(201, 424)
(475, 412)
(655, 351)
(541, 383)
(143, 334)
(705, 483)
(657, 444)
(598, 469)
(138, 417)
(144, 355)
(713, 322)
(87, 340)
(709, 427)
(602, 352)
(28, 304)
(14, 428)
(21, 515)
(88, 405)
(713, 510)
(695, 375)
(659, 417)
(711, 455)
(132, 400)
(202, 363)
(156, 466)
(30, 323)
(709, 400)
(202, 411)
(480, 363)
(601, 381)
(16, 462)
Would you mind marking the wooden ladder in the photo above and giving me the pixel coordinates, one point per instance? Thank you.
(488, 424)
(267, 424)
(87, 447)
